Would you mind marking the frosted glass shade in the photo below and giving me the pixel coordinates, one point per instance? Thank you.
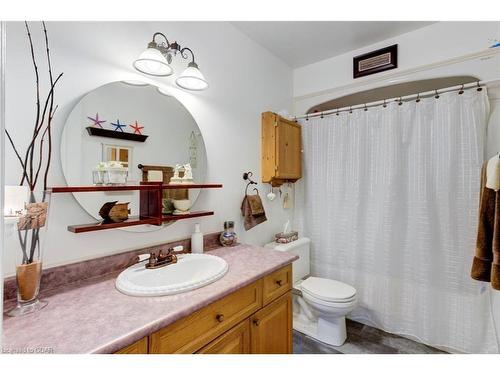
(192, 79)
(152, 62)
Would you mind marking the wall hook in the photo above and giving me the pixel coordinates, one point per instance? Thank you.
(247, 177)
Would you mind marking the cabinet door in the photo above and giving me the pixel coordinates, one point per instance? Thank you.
(138, 347)
(288, 150)
(271, 331)
(234, 341)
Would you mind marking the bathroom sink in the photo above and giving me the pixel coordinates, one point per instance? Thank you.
(191, 271)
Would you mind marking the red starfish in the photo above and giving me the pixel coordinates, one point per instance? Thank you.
(137, 128)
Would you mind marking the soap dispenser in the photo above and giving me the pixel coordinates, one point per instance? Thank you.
(197, 240)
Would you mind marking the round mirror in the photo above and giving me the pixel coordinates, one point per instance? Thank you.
(134, 130)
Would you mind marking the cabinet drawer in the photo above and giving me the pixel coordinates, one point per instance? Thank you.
(138, 347)
(235, 341)
(276, 284)
(196, 330)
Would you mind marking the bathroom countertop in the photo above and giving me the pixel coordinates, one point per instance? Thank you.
(93, 317)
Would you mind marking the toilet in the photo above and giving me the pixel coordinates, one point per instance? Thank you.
(319, 305)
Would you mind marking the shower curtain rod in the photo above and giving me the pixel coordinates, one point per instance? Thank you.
(401, 99)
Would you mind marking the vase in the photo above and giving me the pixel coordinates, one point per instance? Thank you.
(228, 237)
(31, 230)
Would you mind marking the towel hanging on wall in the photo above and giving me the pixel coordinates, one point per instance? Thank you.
(252, 210)
(486, 263)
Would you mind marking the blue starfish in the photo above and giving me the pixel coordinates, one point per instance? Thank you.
(96, 120)
(118, 126)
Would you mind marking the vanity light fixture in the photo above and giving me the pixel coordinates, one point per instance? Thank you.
(156, 59)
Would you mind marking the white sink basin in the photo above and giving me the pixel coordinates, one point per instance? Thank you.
(192, 271)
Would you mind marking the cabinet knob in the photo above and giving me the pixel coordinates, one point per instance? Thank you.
(220, 318)
(256, 322)
(279, 282)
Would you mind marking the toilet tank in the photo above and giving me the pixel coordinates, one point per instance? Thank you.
(300, 247)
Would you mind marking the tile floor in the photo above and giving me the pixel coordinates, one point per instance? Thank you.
(362, 339)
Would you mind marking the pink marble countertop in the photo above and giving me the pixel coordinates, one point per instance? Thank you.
(94, 317)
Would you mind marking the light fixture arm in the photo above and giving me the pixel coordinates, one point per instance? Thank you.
(163, 35)
(184, 56)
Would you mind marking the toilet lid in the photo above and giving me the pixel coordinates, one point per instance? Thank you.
(328, 290)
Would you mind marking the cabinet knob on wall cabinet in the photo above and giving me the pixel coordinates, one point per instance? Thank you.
(220, 318)
(279, 282)
(256, 322)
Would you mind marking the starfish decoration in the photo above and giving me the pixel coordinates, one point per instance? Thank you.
(118, 126)
(97, 122)
(137, 128)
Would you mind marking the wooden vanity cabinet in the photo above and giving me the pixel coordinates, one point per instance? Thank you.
(254, 319)
(281, 149)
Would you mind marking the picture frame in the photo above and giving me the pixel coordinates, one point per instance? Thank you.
(376, 61)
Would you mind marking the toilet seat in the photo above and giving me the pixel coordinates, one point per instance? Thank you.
(327, 291)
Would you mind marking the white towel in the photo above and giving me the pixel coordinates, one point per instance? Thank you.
(493, 173)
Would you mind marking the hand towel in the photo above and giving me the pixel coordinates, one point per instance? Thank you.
(250, 220)
(486, 262)
(493, 173)
(256, 207)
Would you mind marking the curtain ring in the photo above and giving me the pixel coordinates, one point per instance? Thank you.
(400, 102)
(307, 117)
(479, 88)
(295, 119)
(337, 112)
(437, 95)
(418, 98)
(385, 104)
(350, 109)
(321, 115)
(461, 90)
(366, 108)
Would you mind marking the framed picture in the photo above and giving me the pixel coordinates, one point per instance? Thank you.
(376, 61)
(119, 153)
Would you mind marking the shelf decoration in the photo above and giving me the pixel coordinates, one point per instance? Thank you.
(118, 126)
(96, 122)
(137, 128)
(97, 129)
(114, 212)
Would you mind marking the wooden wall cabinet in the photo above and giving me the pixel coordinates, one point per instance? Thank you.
(281, 150)
(254, 319)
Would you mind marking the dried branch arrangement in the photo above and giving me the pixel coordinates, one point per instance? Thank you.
(36, 156)
(35, 163)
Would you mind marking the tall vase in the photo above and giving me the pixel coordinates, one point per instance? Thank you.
(31, 230)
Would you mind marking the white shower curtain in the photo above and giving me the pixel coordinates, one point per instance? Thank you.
(390, 199)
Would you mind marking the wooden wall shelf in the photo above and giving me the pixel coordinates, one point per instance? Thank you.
(186, 216)
(142, 186)
(116, 134)
(131, 221)
(150, 204)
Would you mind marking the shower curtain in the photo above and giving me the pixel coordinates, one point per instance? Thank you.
(389, 198)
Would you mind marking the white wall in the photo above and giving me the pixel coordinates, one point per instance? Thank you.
(437, 50)
(244, 78)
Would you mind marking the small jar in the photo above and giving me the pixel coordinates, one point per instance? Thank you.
(228, 237)
(98, 177)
